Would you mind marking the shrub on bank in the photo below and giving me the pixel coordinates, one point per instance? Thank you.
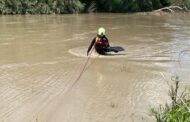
(40, 6)
(134, 5)
(178, 110)
(131, 5)
(77, 6)
(187, 3)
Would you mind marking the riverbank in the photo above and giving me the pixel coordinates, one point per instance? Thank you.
(179, 107)
(162, 13)
(12, 7)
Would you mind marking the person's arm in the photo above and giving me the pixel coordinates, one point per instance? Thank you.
(108, 41)
(91, 45)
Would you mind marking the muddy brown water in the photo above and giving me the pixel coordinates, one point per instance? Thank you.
(37, 69)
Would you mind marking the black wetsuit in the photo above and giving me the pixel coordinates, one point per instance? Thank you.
(101, 45)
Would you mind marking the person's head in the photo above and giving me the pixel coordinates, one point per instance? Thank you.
(101, 32)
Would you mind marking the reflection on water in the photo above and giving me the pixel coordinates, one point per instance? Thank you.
(37, 68)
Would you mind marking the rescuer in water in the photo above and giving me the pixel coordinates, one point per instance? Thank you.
(101, 43)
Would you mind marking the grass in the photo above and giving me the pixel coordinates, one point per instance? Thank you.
(178, 110)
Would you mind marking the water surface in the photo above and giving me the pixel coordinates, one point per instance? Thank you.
(38, 71)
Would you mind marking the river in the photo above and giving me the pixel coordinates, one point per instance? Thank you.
(38, 72)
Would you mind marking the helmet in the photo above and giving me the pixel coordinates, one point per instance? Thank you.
(101, 31)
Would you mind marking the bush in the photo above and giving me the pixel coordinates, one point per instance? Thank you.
(130, 5)
(40, 6)
(76, 6)
(187, 3)
(178, 110)
(165, 2)
(156, 4)
(146, 5)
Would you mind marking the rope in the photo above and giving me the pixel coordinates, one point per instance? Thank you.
(78, 78)
(82, 71)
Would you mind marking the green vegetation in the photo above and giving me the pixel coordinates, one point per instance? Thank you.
(40, 6)
(178, 110)
(182, 3)
(132, 5)
(135, 5)
(77, 6)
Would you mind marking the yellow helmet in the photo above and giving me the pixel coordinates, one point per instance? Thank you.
(101, 31)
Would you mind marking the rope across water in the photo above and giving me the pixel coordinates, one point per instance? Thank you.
(82, 71)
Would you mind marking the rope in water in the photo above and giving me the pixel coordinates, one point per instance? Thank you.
(78, 78)
(83, 69)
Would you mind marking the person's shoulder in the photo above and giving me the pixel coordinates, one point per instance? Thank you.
(105, 37)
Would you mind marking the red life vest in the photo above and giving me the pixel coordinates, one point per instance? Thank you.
(101, 43)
